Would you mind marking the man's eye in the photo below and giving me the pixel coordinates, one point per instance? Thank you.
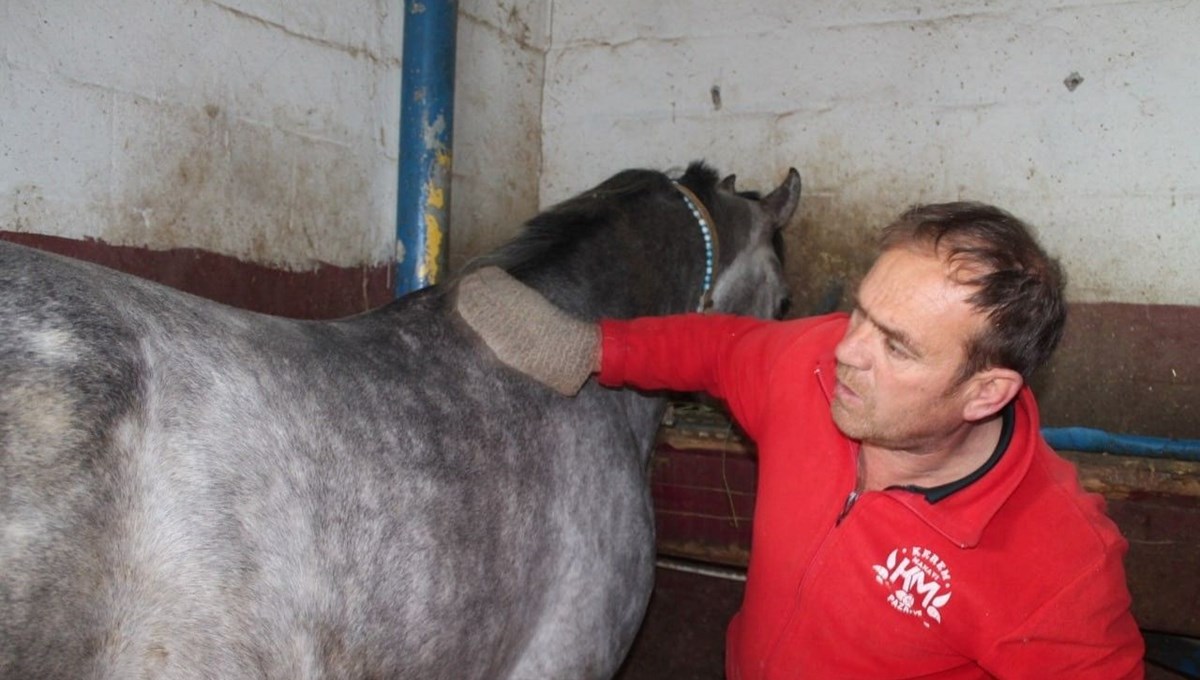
(896, 348)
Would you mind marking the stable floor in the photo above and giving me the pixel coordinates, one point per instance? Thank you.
(683, 637)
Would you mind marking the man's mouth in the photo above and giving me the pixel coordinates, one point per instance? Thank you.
(843, 391)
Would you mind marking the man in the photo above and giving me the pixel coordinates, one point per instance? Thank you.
(910, 520)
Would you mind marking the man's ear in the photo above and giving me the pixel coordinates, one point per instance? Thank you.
(988, 392)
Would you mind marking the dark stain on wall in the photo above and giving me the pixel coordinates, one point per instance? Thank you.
(202, 178)
(827, 253)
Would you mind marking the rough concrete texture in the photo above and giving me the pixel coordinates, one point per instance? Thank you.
(267, 131)
(257, 130)
(263, 131)
(498, 104)
(1075, 116)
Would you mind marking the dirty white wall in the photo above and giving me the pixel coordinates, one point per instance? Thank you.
(261, 130)
(257, 129)
(883, 104)
(267, 131)
(497, 121)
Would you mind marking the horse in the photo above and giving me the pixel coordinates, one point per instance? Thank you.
(195, 491)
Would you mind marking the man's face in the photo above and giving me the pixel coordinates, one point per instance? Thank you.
(898, 364)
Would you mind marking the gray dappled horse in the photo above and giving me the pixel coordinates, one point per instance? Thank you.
(191, 490)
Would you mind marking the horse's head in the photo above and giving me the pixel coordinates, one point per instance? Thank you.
(749, 274)
(634, 246)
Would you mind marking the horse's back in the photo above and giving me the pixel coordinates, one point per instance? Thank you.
(65, 372)
(195, 490)
(85, 546)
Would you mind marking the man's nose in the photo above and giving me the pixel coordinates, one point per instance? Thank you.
(852, 350)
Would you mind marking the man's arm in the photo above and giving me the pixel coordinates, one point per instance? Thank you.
(691, 352)
(527, 332)
(685, 352)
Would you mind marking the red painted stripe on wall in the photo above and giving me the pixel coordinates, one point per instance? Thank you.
(323, 293)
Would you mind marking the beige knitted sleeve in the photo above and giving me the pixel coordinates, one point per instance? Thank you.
(526, 331)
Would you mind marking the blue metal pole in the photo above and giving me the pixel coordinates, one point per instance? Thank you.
(426, 132)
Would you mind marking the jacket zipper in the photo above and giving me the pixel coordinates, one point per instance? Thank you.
(817, 557)
(854, 494)
(850, 501)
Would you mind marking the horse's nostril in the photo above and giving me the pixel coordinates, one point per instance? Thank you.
(785, 306)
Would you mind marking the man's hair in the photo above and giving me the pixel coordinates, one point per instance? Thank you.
(1019, 286)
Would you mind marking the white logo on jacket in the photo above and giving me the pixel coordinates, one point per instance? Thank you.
(919, 582)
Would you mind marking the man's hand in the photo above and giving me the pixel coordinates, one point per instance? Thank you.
(526, 331)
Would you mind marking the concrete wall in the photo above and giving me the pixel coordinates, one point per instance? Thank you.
(246, 150)
(1078, 117)
(267, 131)
(497, 122)
(259, 130)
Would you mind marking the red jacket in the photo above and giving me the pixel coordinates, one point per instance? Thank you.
(1015, 574)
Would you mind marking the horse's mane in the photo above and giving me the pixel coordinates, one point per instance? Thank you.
(550, 235)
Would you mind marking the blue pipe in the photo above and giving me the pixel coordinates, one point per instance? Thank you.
(426, 134)
(1097, 441)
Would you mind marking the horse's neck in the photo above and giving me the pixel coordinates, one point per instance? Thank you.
(612, 292)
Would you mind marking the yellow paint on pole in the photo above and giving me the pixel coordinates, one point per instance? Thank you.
(433, 249)
(435, 202)
(435, 197)
(435, 190)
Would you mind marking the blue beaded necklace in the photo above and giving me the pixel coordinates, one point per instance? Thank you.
(711, 251)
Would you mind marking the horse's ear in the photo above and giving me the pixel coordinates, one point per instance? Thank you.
(728, 182)
(783, 201)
